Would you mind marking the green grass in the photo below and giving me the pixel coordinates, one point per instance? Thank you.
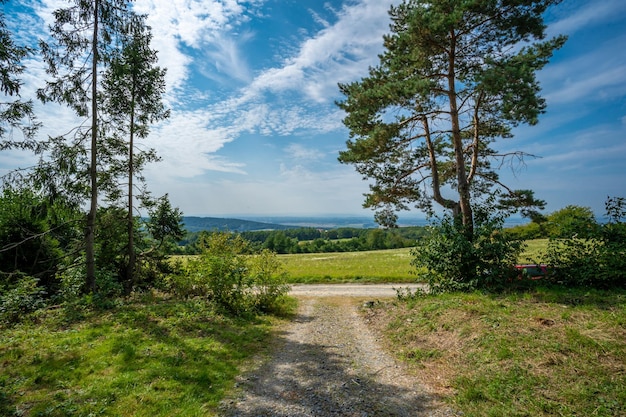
(542, 353)
(392, 265)
(151, 357)
(534, 251)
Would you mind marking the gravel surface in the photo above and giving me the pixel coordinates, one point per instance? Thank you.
(326, 362)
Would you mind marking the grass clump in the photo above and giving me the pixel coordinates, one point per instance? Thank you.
(148, 357)
(540, 353)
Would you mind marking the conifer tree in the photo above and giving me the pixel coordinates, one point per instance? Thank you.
(455, 77)
(133, 87)
(83, 37)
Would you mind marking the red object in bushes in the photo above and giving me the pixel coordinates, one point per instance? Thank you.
(532, 271)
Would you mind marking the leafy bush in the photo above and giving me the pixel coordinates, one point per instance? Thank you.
(25, 297)
(454, 262)
(598, 261)
(269, 279)
(236, 282)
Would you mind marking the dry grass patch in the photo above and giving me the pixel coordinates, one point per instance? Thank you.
(540, 353)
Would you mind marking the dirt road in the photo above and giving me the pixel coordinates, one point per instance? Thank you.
(327, 362)
(351, 290)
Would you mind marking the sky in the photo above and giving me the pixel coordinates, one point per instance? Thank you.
(254, 129)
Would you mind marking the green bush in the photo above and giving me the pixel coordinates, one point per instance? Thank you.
(236, 282)
(598, 261)
(25, 297)
(453, 262)
(270, 280)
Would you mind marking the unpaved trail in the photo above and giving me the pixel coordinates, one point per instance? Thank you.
(327, 362)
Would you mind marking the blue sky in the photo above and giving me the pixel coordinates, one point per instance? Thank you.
(254, 129)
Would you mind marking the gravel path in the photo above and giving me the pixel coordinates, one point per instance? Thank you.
(326, 362)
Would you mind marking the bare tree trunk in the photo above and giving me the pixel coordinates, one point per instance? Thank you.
(461, 175)
(93, 173)
(130, 272)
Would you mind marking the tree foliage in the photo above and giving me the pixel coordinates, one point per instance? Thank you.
(84, 36)
(15, 113)
(455, 77)
(595, 258)
(133, 87)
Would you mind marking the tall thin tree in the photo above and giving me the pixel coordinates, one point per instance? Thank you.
(84, 34)
(133, 88)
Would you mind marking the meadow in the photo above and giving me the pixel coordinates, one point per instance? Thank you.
(540, 352)
(392, 265)
(148, 356)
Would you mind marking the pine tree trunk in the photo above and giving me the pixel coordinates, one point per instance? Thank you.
(463, 186)
(93, 173)
(130, 272)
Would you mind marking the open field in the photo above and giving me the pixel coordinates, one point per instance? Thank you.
(540, 353)
(392, 265)
(380, 266)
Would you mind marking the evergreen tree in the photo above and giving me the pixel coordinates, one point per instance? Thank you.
(14, 112)
(133, 87)
(455, 76)
(83, 37)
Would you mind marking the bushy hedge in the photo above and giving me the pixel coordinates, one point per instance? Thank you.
(451, 258)
(598, 260)
(225, 274)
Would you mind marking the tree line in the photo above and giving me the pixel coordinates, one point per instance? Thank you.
(312, 240)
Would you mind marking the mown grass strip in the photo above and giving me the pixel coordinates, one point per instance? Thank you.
(392, 265)
(155, 357)
(541, 353)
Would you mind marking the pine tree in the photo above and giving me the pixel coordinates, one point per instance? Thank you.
(455, 77)
(133, 87)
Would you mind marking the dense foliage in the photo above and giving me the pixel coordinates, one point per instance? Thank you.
(595, 259)
(448, 261)
(226, 275)
(312, 240)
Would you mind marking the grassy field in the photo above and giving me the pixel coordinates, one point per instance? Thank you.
(371, 266)
(539, 353)
(392, 265)
(150, 357)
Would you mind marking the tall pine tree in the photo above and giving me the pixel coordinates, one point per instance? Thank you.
(83, 37)
(133, 88)
(455, 77)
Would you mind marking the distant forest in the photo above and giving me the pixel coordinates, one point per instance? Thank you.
(285, 239)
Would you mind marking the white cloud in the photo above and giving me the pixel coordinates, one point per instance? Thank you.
(186, 142)
(300, 152)
(593, 13)
(297, 192)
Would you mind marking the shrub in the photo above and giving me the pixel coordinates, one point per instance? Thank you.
(270, 280)
(25, 297)
(236, 282)
(598, 261)
(454, 262)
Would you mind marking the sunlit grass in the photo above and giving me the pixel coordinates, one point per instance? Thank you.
(546, 352)
(392, 265)
(156, 357)
(535, 251)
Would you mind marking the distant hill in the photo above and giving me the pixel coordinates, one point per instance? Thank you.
(198, 224)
